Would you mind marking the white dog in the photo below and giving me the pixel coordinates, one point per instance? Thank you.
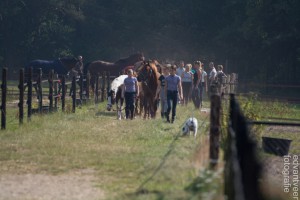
(191, 125)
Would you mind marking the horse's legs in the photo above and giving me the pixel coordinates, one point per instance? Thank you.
(121, 106)
(136, 112)
(151, 108)
(141, 105)
(145, 108)
(36, 91)
(71, 90)
(92, 84)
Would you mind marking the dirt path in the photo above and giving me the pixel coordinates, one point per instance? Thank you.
(75, 186)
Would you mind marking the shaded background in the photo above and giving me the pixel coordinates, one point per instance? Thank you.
(258, 39)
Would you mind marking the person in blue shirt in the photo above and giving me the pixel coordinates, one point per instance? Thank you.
(130, 90)
(173, 87)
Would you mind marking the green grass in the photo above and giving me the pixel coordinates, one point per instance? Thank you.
(277, 112)
(138, 159)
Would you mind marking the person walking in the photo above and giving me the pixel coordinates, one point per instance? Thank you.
(219, 79)
(212, 76)
(173, 87)
(203, 84)
(130, 91)
(196, 81)
(186, 78)
(77, 71)
(220, 73)
(179, 71)
(160, 92)
(212, 73)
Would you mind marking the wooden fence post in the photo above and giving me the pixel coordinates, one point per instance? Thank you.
(50, 97)
(40, 90)
(56, 83)
(74, 94)
(3, 100)
(103, 87)
(29, 94)
(97, 89)
(215, 126)
(242, 168)
(63, 93)
(21, 96)
(108, 83)
(87, 88)
(82, 91)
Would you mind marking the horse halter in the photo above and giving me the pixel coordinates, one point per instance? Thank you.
(144, 73)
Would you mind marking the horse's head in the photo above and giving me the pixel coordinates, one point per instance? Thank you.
(131, 60)
(138, 57)
(69, 62)
(147, 70)
(111, 99)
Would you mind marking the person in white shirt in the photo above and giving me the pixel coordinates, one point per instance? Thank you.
(179, 71)
(180, 68)
(220, 73)
(212, 73)
(203, 83)
(186, 78)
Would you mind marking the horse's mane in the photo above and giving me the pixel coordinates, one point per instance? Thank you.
(152, 65)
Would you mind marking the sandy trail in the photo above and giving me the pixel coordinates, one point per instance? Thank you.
(75, 186)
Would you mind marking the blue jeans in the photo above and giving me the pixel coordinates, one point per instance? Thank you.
(129, 101)
(202, 88)
(196, 97)
(172, 99)
(163, 101)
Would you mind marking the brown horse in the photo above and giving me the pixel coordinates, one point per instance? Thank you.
(148, 76)
(98, 67)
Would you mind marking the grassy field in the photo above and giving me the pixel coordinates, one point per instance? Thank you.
(138, 159)
(273, 111)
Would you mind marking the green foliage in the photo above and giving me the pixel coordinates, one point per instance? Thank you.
(254, 36)
(251, 107)
(206, 185)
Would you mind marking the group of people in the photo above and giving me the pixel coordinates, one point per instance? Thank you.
(176, 84)
(184, 83)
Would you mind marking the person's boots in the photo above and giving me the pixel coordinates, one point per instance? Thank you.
(162, 115)
(173, 119)
(127, 114)
(131, 114)
(168, 119)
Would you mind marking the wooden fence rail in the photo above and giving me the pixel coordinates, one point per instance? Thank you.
(53, 94)
(55, 86)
